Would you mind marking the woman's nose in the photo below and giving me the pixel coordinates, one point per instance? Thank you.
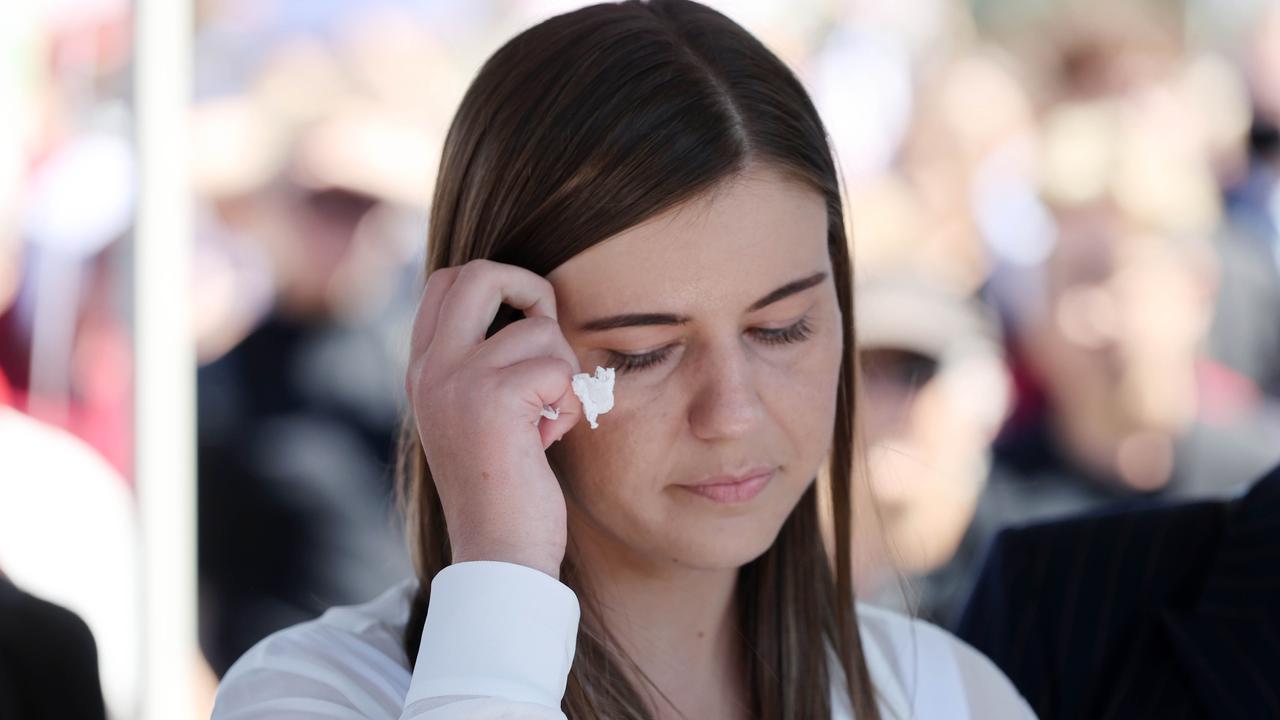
(726, 403)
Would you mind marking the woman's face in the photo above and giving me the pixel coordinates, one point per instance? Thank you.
(722, 321)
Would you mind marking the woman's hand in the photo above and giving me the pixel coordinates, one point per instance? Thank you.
(478, 405)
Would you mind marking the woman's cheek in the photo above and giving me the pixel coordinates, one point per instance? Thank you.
(812, 383)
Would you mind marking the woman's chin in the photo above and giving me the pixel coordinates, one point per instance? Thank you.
(723, 550)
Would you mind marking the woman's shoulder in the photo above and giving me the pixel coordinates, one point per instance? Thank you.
(924, 671)
(351, 656)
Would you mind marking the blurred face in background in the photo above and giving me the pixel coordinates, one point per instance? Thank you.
(733, 387)
(928, 427)
(1119, 339)
(309, 236)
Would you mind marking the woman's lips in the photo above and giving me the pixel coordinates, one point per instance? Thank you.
(738, 491)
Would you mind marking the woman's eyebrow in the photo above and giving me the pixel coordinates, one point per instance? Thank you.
(637, 319)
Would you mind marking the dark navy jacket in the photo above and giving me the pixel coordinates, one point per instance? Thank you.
(1160, 612)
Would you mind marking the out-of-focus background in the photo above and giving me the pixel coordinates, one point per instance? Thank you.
(1066, 225)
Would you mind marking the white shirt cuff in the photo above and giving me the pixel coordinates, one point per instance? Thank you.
(496, 629)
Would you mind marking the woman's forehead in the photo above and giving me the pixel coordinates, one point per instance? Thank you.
(747, 237)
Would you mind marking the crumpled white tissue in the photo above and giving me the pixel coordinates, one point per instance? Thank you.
(596, 394)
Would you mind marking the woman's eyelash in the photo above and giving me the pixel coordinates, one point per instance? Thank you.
(797, 332)
(631, 363)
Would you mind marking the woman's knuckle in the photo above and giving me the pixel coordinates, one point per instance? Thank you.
(476, 271)
(543, 326)
(559, 366)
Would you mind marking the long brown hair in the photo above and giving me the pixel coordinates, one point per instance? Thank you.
(581, 127)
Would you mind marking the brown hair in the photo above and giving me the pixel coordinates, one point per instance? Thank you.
(575, 130)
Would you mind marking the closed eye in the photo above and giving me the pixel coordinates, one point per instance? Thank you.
(799, 331)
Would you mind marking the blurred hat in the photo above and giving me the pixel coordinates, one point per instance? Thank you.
(908, 312)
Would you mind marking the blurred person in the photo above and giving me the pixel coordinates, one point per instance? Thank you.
(973, 121)
(654, 190)
(296, 428)
(1077, 52)
(1108, 329)
(1136, 47)
(1169, 610)
(48, 660)
(63, 341)
(55, 491)
(66, 191)
(305, 178)
(936, 393)
(937, 388)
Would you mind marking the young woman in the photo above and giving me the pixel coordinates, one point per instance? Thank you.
(645, 187)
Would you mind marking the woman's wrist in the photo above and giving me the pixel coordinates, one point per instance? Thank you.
(544, 562)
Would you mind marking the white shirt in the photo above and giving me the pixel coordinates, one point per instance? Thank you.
(499, 641)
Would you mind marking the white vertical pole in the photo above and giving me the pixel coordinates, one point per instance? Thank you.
(165, 357)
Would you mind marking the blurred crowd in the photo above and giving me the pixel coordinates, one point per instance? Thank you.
(1066, 229)
(1069, 295)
